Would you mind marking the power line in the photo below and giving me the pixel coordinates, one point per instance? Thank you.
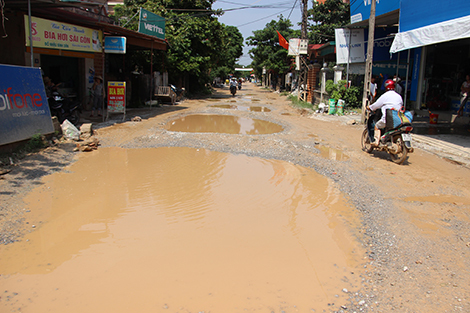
(292, 9)
(263, 18)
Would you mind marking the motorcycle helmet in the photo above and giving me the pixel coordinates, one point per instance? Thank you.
(389, 84)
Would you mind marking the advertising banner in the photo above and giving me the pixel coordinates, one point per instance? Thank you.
(115, 45)
(116, 97)
(58, 35)
(151, 24)
(420, 13)
(24, 110)
(360, 9)
(354, 39)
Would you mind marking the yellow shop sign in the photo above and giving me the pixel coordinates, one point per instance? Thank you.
(58, 35)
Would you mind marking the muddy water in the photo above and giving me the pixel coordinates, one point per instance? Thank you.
(227, 124)
(332, 154)
(242, 107)
(182, 230)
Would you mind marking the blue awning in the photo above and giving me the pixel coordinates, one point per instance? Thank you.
(436, 33)
(426, 22)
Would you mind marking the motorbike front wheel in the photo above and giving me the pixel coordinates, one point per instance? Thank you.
(399, 157)
(365, 142)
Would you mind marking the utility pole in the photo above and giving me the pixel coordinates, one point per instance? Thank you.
(302, 85)
(370, 55)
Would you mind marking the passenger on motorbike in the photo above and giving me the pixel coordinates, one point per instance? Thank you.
(233, 86)
(389, 100)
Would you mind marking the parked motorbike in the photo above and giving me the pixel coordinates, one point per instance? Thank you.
(233, 90)
(394, 140)
(64, 108)
(178, 91)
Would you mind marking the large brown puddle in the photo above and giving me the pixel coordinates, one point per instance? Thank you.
(226, 124)
(242, 107)
(182, 230)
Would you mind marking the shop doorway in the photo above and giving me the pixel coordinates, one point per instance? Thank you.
(64, 71)
(447, 64)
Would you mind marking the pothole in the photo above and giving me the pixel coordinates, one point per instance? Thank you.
(226, 124)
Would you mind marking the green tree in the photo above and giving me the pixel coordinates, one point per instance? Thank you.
(194, 34)
(267, 53)
(326, 17)
(232, 50)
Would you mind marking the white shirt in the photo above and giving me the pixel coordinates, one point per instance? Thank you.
(465, 85)
(373, 89)
(389, 100)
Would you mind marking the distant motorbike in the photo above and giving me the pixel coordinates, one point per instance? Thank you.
(64, 108)
(394, 140)
(233, 90)
(239, 85)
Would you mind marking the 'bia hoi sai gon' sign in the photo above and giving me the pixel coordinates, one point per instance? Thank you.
(151, 24)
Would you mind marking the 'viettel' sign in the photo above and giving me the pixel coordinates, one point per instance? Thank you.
(151, 24)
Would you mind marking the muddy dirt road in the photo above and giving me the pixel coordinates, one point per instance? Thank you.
(234, 204)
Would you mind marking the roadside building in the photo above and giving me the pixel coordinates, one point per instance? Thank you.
(69, 43)
(425, 43)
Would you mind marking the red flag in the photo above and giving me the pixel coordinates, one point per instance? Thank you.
(282, 41)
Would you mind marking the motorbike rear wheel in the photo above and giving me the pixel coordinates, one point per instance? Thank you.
(399, 157)
(365, 142)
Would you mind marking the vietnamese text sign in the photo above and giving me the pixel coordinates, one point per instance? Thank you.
(58, 35)
(115, 44)
(116, 97)
(349, 45)
(151, 24)
(24, 110)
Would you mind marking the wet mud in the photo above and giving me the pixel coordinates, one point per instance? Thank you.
(182, 230)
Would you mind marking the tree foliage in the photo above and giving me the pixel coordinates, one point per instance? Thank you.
(267, 53)
(326, 17)
(195, 36)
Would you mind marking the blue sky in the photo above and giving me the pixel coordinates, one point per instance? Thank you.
(255, 15)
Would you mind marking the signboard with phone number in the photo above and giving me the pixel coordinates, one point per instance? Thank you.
(24, 110)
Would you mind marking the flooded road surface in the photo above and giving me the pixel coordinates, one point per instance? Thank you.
(332, 154)
(226, 124)
(182, 230)
(242, 107)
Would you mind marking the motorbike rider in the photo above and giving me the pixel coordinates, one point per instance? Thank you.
(389, 100)
(233, 83)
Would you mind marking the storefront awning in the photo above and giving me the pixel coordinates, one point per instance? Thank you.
(458, 28)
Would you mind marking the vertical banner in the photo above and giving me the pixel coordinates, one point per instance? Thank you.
(24, 110)
(117, 97)
(415, 74)
(352, 40)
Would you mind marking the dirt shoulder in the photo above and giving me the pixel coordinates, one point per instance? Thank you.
(415, 217)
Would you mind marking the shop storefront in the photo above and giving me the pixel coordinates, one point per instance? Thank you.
(445, 68)
(66, 54)
(439, 36)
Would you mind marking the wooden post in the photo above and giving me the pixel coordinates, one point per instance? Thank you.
(370, 54)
